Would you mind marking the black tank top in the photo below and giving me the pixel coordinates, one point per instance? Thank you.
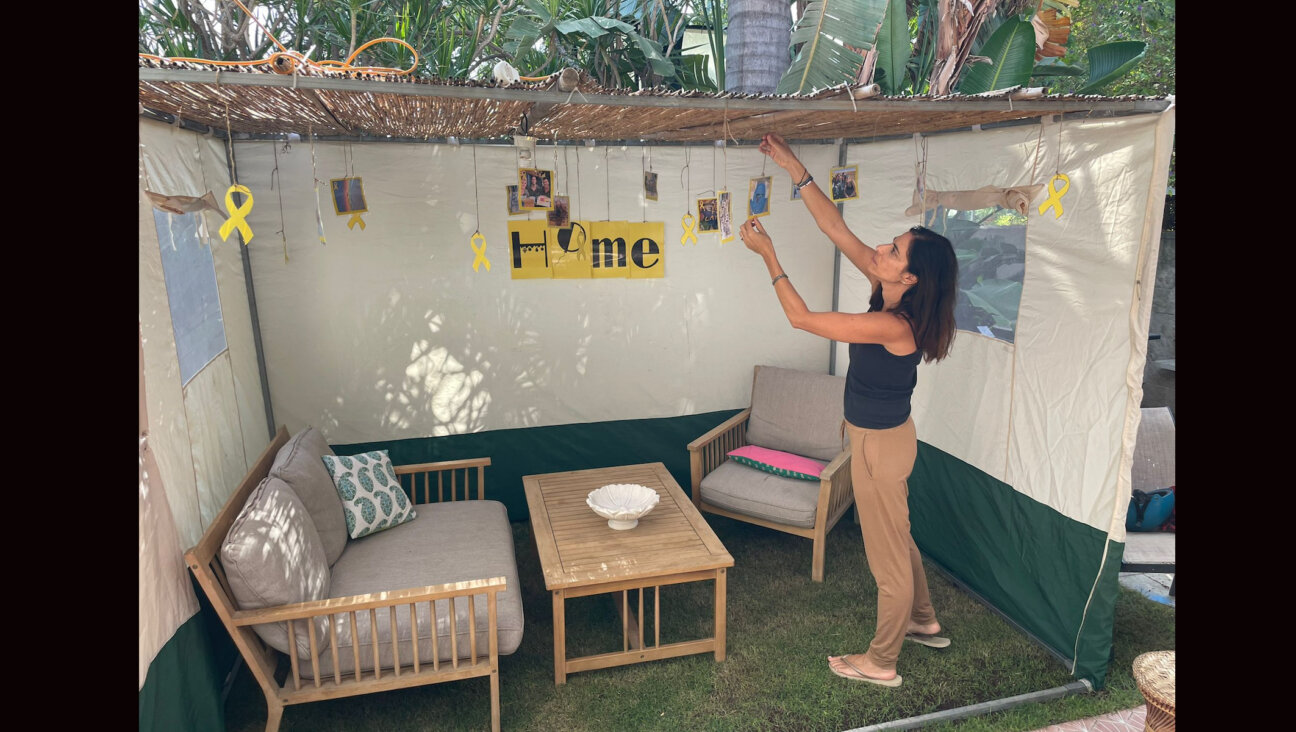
(879, 385)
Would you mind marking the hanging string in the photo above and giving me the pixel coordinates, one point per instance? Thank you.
(319, 220)
(688, 188)
(724, 176)
(229, 146)
(1039, 139)
(920, 170)
(643, 168)
(607, 183)
(1058, 171)
(713, 166)
(282, 225)
(476, 192)
(576, 152)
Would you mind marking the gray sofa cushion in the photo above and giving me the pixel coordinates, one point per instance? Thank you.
(300, 464)
(272, 556)
(798, 412)
(448, 542)
(751, 492)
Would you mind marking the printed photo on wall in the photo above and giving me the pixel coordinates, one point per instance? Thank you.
(726, 217)
(650, 186)
(844, 185)
(708, 215)
(758, 201)
(535, 189)
(514, 205)
(560, 214)
(348, 196)
(796, 192)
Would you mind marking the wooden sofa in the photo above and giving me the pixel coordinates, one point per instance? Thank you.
(408, 590)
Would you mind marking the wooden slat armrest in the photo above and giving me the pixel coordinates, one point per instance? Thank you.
(719, 430)
(841, 462)
(315, 608)
(443, 465)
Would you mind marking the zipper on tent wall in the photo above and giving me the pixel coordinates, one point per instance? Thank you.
(837, 257)
(252, 307)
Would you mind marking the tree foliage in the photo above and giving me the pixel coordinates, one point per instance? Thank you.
(623, 43)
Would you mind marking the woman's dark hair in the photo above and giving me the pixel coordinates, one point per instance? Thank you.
(929, 304)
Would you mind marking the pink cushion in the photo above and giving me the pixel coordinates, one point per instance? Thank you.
(780, 463)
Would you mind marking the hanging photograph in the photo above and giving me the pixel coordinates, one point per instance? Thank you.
(708, 215)
(560, 214)
(348, 196)
(758, 202)
(796, 192)
(514, 205)
(535, 189)
(726, 217)
(844, 185)
(650, 186)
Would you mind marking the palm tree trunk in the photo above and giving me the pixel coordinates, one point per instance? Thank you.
(756, 50)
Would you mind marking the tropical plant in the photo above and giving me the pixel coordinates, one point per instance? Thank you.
(626, 43)
(970, 46)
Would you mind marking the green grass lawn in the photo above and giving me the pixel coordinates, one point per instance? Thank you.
(781, 628)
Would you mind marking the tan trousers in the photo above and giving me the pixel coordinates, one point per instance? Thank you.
(881, 461)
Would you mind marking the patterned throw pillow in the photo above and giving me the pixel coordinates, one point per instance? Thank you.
(372, 498)
(778, 462)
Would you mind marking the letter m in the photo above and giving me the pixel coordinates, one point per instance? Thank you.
(603, 254)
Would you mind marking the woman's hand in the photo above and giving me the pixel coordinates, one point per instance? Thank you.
(772, 144)
(754, 236)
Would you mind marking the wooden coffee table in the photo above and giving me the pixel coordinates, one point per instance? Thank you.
(581, 555)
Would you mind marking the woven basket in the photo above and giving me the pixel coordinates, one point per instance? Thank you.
(1154, 672)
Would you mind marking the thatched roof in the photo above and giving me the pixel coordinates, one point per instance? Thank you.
(393, 107)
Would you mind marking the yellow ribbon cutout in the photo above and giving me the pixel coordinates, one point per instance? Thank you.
(355, 219)
(236, 214)
(478, 243)
(1055, 196)
(687, 222)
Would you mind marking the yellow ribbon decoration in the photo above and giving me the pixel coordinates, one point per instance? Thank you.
(236, 214)
(355, 219)
(478, 243)
(1054, 200)
(687, 222)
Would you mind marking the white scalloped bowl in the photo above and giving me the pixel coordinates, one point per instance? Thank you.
(622, 504)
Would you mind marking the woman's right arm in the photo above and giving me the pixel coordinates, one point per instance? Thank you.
(825, 212)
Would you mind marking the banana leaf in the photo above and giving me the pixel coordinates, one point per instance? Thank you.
(894, 47)
(1056, 69)
(694, 73)
(999, 298)
(1011, 49)
(1110, 61)
(827, 32)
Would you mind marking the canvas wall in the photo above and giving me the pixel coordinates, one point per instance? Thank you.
(1049, 413)
(201, 433)
(387, 332)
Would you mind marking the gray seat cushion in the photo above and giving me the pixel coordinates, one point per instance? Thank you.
(798, 412)
(448, 542)
(300, 464)
(751, 492)
(272, 556)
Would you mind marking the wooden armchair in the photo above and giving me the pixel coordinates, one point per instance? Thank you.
(798, 412)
